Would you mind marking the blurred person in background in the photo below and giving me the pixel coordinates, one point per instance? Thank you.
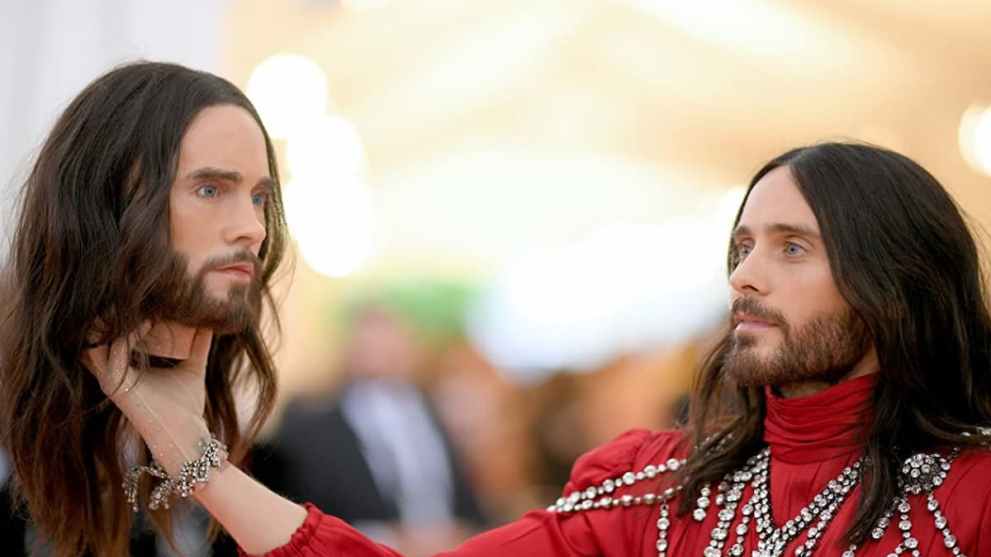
(490, 420)
(579, 411)
(375, 452)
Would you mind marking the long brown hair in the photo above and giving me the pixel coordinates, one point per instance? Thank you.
(90, 247)
(906, 262)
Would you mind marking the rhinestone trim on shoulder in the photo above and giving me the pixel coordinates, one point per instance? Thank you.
(602, 496)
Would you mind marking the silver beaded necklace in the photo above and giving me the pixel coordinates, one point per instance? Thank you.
(920, 475)
(772, 541)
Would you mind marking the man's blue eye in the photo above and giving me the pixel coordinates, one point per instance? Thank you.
(207, 191)
(794, 249)
(259, 199)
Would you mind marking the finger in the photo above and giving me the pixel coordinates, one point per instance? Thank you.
(96, 333)
(120, 355)
(111, 363)
(199, 353)
(93, 337)
(143, 330)
(98, 353)
(136, 339)
(95, 359)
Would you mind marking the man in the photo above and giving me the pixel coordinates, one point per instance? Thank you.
(374, 453)
(153, 207)
(842, 414)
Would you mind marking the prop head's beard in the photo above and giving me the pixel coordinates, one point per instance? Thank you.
(184, 299)
(824, 349)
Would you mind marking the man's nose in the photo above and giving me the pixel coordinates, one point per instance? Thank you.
(246, 226)
(748, 276)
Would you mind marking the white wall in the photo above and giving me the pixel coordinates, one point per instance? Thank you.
(50, 49)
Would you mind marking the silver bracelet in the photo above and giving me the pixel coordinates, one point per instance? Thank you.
(192, 474)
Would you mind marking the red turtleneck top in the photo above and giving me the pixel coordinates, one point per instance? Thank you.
(812, 439)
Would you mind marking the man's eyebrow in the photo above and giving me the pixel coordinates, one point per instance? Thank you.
(213, 173)
(267, 183)
(741, 230)
(796, 229)
(778, 228)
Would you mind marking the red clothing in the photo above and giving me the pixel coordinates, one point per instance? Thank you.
(811, 438)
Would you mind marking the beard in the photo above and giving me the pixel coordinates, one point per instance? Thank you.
(184, 299)
(824, 349)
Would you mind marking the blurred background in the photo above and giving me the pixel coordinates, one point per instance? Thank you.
(510, 216)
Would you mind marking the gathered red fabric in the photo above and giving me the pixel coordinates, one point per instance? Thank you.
(819, 427)
(812, 439)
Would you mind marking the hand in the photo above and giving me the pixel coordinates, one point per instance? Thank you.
(164, 405)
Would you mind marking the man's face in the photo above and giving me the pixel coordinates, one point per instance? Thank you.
(217, 216)
(380, 346)
(790, 323)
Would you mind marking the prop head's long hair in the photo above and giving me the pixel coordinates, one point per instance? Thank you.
(91, 246)
(906, 262)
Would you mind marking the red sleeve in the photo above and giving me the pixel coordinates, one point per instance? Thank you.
(965, 499)
(323, 535)
(539, 533)
(984, 536)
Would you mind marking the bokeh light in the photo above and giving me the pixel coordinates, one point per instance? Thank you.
(331, 223)
(326, 146)
(288, 90)
(975, 138)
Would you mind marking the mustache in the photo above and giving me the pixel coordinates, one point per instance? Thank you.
(752, 307)
(222, 261)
